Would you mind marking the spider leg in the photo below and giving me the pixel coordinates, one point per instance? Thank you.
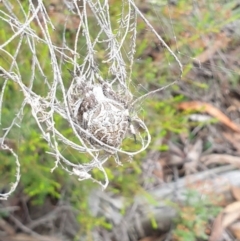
(85, 120)
(109, 93)
(133, 132)
(132, 129)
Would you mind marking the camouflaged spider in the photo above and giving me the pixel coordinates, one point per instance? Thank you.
(104, 115)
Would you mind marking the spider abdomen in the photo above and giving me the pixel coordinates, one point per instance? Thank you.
(108, 124)
(104, 116)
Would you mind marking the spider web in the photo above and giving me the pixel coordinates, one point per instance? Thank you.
(101, 44)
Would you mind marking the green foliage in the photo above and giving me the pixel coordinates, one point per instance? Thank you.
(193, 216)
(159, 112)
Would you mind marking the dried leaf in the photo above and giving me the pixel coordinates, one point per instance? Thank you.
(233, 207)
(193, 156)
(235, 229)
(6, 227)
(230, 218)
(173, 148)
(148, 239)
(236, 192)
(234, 139)
(195, 151)
(175, 160)
(21, 237)
(211, 110)
(176, 155)
(221, 159)
(217, 230)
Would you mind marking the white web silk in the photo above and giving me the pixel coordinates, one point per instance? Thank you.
(108, 123)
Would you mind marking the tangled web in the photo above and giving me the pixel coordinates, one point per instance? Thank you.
(99, 111)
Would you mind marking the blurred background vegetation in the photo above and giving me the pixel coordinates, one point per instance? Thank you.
(189, 28)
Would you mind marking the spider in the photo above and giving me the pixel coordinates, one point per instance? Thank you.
(104, 115)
